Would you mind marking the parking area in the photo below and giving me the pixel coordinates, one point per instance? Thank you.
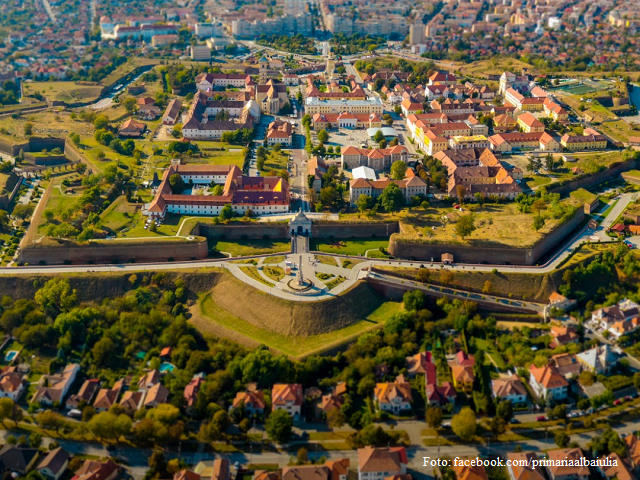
(345, 137)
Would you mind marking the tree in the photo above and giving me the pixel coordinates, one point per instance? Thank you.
(538, 222)
(378, 137)
(23, 210)
(217, 190)
(562, 439)
(488, 286)
(504, 410)
(279, 426)
(423, 275)
(303, 456)
(464, 424)
(56, 294)
(49, 215)
(130, 105)
(177, 183)
(323, 136)
(50, 420)
(549, 163)
(533, 164)
(4, 218)
(465, 226)
(6, 409)
(413, 300)
(329, 196)
(28, 129)
(108, 425)
(398, 170)
(101, 122)
(226, 213)
(434, 417)
(392, 198)
(364, 203)
(461, 191)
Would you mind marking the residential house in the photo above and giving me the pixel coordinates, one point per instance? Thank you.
(156, 395)
(98, 470)
(410, 186)
(504, 123)
(17, 459)
(131, 128)
(561, 302)
(599, 360)
(422, 363)
(132, 401)
(476, 472)
(267, 475)
(149, 380)
(624, 327)
(583, 142)
(191, 391)
(442, 78)
(105, 399)
(633, 449)
(410, 108)
(330, 402)
(306, 472)
(563, 335)
(339, 468)
(287, 397)
(509, 388)
(378, 159)
(57, 386)
(463, 377)
(520, 466)
(253, 402)
(440, 395)
(393, 397)
(619, 470)
(54, 464)
(605, 317)
(221, 469)
(186, 475)
(547, 383)
(84, 395)
(464, 359)
(378, 463)
(12, 383)
(567, 365)
(561, 471)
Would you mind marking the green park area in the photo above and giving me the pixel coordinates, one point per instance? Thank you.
(244, 248)
(583, 196)
(349, 246)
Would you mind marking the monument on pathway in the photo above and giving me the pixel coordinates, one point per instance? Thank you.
(301, 281)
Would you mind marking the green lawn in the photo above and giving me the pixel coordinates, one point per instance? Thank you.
(490, 351)
(276, 161)
(297, 346)
(350, 246)
(534, 181)
(243, 248)
(252, 272)
(69, 92)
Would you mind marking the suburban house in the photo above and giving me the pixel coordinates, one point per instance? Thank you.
(379, 463)
(620, 469)
(191, 391)
(633, 449)
(393, 397)
(306, 472)
(17, 459)
(330, 402)
(440, 395)
(57, 386)
(149, 380)
(188, 475)
(339, 468)
(509, 388)
(132, 401)
(558, 471)
(221, 469)
(605, 317)
(54, 464)
(105, 399)
(561, 302)
(156, 395)
(525, 472)
(12, 383)
(253, 401)
(476, 472)
(288, 397)
(600, 359)
(422, 363)
(563, 335)
(463, 377)
(84, 395)
(504, 123)
(98, 470)
(547, 383)
(567, 365)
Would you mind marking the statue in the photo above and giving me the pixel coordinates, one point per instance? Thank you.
(301, 281)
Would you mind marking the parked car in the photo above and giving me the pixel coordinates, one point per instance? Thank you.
(541, 418)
